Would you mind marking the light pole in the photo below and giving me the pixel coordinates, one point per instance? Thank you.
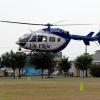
(85, 49)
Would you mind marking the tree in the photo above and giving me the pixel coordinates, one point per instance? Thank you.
(65, 65)
(14, 60)
(95, 70)
(8, 60)
(5, 59)
(43, 60)
(20, 58)
(83, 62)
(50, 63)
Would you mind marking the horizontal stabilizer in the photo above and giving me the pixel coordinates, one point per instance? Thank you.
(90, 34)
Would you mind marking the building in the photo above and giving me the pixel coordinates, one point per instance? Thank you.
(96, 60)
(73, 68)
(58, 56)
(96, 57)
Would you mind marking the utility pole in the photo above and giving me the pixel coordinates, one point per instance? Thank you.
(85, 49)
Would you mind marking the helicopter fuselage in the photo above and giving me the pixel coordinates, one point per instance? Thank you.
(44, 40)
(52, 40)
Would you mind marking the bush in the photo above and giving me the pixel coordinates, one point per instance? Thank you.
(95, 70)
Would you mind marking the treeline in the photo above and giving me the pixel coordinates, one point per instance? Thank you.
(40, 60)
(85, 66)
(46, 61)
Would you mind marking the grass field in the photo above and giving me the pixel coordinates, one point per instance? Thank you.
(49, 89)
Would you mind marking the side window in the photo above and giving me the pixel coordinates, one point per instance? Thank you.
(39, 38)
(42, 38)
(33, 39)
(52, 39)
(59, 39)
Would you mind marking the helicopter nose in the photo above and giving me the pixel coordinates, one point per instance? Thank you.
(20, 43)
(17, 42)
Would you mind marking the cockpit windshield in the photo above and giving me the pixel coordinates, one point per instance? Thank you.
(25, 38)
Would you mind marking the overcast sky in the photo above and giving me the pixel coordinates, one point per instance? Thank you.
(49, 11)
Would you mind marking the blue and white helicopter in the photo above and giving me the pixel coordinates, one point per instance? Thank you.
(51, 39)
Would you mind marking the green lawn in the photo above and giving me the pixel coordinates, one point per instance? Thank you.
(49, 89)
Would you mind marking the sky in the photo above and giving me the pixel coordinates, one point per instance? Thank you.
(49, 11)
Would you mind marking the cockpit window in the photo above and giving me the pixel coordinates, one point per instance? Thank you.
(42, 38)
(33, 39)
(25, 38)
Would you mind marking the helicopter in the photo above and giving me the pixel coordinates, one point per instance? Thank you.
(51, 39)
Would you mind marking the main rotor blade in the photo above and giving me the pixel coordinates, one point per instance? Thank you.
(22, 23)
(71, 24)
(48, 24)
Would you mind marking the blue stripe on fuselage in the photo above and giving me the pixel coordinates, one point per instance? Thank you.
(57, 31)
(77, 37)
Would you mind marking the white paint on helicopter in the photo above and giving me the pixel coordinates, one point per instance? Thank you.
(41, 40)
